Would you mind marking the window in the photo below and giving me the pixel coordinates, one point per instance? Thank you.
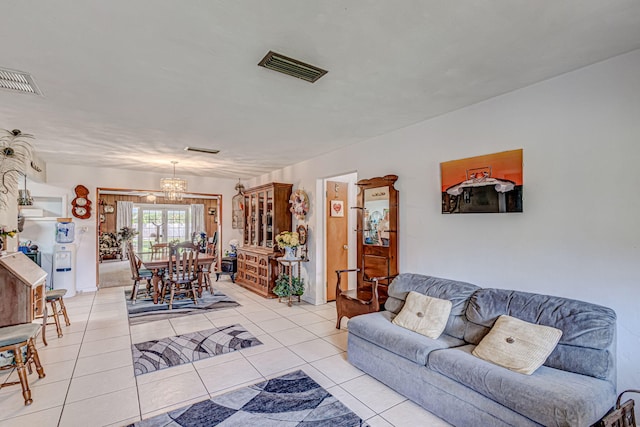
(160, 224)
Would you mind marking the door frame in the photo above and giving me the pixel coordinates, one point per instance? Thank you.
(139, 192)
(351, 178)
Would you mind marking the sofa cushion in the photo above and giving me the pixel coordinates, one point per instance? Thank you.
(517, 345)
(549, 396)
(456, 292)
(424, 314)
(587, 345)
(378, 329)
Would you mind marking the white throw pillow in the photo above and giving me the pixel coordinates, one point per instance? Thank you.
(518, 345)
(423, 314)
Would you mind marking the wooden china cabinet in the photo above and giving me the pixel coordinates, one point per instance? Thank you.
(266, 214)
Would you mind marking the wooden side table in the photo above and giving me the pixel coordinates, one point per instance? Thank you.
(288, 267)
(229, 266)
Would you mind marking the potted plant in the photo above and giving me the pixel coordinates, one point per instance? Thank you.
(284, 289)
(289, 241)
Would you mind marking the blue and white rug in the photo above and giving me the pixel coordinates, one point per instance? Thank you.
(164, 353)
(290, 400)
(144, 310)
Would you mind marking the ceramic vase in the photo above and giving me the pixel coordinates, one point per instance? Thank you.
(289, 253)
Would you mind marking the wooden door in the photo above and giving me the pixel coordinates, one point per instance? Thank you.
(337, 219)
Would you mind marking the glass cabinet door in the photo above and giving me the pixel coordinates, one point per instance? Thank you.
(260, 219)
(247, 222)
(269, 220)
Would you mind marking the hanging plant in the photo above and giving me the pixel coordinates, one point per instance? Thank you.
(299, 204)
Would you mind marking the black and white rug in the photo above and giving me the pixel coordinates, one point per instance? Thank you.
(154, 355)
(290, 400)
(144, 310)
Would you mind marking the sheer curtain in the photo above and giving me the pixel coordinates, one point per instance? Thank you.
(124, 214)
(197, 218)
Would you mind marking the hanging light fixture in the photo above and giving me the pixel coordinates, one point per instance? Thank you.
(24, 196)
(173, 188)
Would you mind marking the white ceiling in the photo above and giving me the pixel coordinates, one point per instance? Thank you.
(130, 83)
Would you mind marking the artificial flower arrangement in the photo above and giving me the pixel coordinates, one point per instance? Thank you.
(127, 233)
(288, 239)
(4, 233)
(7, 233)
(233, 243)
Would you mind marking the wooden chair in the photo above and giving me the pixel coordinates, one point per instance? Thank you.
(160, 250)
(353, 302)
(206, 270)
(13, 340)
(137, 274)
(185, 246)
(181, 276)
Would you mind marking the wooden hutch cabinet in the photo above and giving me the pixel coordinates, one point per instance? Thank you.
(266, 214)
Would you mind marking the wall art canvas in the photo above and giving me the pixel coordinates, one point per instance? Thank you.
(491, 183)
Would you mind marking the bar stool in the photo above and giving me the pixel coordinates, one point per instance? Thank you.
(14, 339)
(54, 298)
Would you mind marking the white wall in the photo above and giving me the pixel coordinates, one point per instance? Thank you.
(62, 179)
(578, 235)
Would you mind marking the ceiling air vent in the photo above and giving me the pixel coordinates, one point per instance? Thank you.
(293, 67)
(201, 150)
(18, 81)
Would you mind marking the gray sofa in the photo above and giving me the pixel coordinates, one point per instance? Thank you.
(576, 386)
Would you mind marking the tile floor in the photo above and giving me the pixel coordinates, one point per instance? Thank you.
(90, 379)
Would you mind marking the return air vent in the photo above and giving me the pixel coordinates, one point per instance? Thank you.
(18, 81)
(293, 67)
(201, 150)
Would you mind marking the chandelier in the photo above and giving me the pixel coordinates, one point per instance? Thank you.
(173, 188)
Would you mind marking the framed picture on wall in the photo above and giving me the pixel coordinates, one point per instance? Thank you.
(337, 208)
(491, 183)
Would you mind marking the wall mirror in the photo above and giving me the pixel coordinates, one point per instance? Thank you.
(376, 216)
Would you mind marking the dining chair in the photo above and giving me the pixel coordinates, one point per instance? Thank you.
(137, 274)
(181, 276)
(210, 250)
(160, 250)
(186, 246)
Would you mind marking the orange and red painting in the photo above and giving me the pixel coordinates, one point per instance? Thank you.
(483, 184)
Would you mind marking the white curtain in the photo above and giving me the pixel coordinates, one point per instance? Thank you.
(124, 215)
(197, 218)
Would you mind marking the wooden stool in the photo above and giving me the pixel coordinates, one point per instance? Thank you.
(54, 298)
(15, 339)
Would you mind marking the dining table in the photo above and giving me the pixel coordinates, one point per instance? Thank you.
(158, 263)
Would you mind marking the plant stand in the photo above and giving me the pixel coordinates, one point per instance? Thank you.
(288, 267)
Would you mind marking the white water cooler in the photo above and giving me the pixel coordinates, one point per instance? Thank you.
(64, 268)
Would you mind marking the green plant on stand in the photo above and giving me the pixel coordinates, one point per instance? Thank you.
(284, 290)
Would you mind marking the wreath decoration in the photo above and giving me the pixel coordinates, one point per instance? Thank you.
(299, 204)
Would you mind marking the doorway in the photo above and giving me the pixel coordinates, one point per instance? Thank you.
(155, 220)
(339, 220)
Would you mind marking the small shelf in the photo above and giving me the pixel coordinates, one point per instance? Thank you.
(46, 208)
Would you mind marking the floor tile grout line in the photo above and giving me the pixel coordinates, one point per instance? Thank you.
(75, 364)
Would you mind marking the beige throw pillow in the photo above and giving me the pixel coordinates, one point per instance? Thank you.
(518, 345)
(423, 314)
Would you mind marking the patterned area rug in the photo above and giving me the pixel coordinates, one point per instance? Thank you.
(290, 400)
(144, 310)
(154, 355)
